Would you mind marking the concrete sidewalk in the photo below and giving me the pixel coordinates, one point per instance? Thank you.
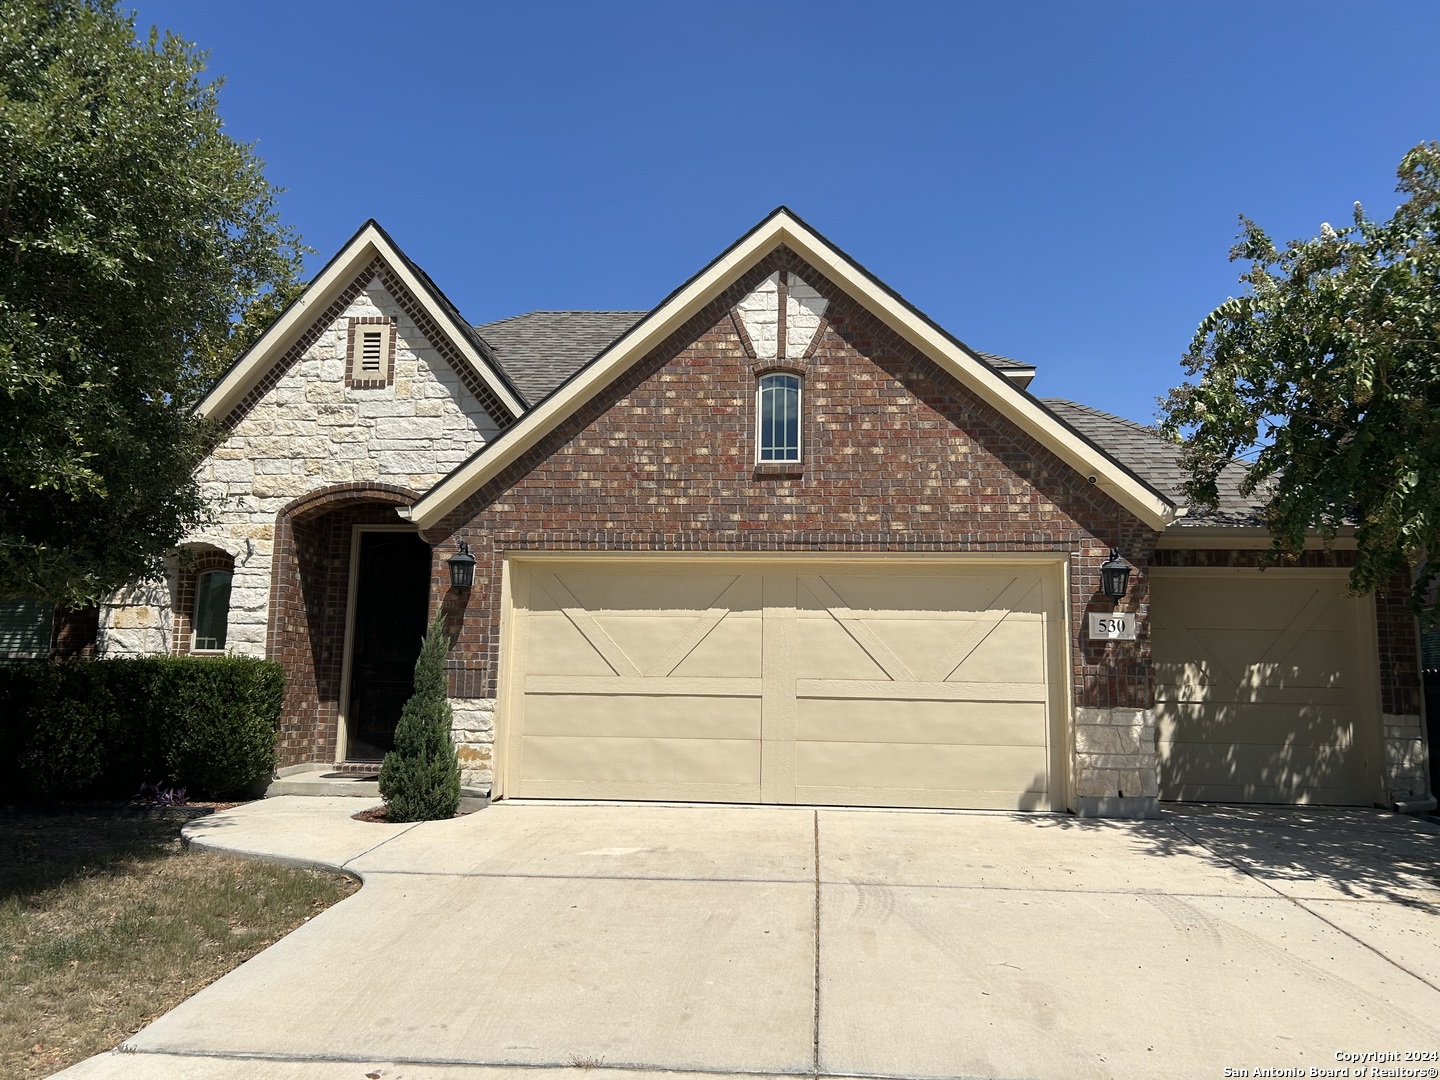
(532, 938)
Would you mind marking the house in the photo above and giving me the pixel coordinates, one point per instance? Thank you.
(779, 539)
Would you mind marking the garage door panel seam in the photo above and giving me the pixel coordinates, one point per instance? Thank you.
(1305, 619)
(1014, 593)
(862, 635)
(1189, 644)
(692, 639)
(583, 621)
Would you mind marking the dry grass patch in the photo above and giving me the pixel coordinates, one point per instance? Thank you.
(107, 920)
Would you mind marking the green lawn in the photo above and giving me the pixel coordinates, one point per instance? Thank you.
(108, 920)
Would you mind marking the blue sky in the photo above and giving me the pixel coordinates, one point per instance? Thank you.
(1058, 182)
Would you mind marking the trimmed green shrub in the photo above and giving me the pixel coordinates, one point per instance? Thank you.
(420, 778)
(98, 729)
(223, 719)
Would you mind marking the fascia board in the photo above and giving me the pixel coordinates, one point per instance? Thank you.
(1020, 408)
(236, 382)
(400, 268)
(553, 410)
(369, 242)
(782, 228)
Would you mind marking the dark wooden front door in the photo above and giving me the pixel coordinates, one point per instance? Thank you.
(392, 593)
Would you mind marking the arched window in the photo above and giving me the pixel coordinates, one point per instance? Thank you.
(201, 599)
(212, 611)
(778, 418)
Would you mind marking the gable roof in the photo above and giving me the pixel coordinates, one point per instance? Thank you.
(782, 228)
(362, 249)
(1158, 461)
(541, 349)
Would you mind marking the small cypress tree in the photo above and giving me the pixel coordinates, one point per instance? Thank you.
(420, 778)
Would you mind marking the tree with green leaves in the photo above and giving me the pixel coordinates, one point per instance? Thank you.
(140, 247)
(420, 778)
(1323, 381)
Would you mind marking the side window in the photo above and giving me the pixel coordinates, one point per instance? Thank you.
(212, 611)
(25, 627)
(778, 418)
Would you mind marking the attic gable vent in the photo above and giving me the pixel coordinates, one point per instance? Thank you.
(370, 350)
(370, 353)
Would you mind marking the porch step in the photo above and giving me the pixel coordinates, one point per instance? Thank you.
(330, 780)
(325, 780)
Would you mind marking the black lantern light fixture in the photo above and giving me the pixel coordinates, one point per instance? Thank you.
(462, 567)
(1114, 576)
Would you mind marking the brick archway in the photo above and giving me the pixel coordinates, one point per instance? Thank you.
(309, 588)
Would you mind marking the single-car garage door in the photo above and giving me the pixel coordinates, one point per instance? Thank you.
(1266, 687)
(846, 682)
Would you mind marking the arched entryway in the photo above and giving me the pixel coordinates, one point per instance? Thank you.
(349, 598)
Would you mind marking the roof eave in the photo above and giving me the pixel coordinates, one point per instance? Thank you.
(781, 227)
(367, 243)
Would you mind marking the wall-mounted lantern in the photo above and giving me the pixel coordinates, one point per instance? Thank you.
(1114, 576)
(462, 567)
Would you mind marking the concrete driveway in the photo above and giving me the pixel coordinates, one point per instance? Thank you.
(534, 937)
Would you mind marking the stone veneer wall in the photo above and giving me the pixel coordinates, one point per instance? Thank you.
(474, 734)
(898, 458)
(304, 433)
(311, 431)
(1116, 770)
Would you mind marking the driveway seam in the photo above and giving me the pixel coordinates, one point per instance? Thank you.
(592, 877)
(128, 1050)
(815, 1060)
(1309, 911)
(841, 882)
(376, 847)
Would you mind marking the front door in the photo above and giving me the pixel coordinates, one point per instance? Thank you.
(392, 594)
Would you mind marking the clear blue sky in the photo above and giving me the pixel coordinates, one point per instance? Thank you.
(1058, 182)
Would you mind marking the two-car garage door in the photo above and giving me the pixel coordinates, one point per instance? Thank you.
(812, 681)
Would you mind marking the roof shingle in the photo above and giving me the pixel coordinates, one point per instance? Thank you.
(541, 349)
(1157, 462)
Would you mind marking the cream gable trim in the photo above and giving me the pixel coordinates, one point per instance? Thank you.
(783, 229)
(368, 244)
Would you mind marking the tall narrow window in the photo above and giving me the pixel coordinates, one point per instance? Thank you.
(778, 413)
(212, 610)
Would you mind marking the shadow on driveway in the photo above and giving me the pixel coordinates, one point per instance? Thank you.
(1319, 853)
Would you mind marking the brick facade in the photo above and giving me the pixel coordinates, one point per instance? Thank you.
(191, 565)
(308, 607)
(898, 458)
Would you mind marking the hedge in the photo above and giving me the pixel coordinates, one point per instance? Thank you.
(98, 729)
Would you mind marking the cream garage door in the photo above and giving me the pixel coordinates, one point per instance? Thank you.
(1265, 689)
(861, 682)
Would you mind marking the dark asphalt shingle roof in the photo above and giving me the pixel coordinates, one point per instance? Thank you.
(541, 349)
(1004, 363)
(1156, 461)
